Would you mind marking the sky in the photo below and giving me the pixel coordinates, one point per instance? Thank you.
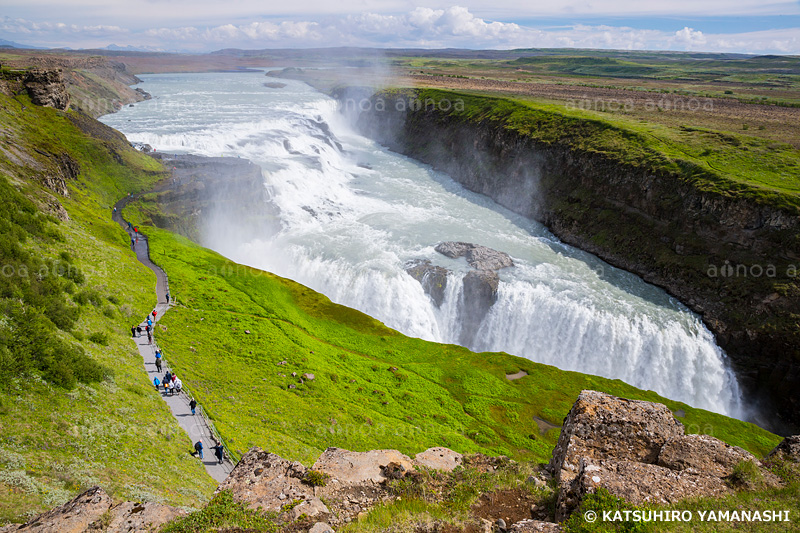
(742, 26)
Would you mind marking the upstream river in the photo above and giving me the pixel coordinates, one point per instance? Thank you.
(353, 214)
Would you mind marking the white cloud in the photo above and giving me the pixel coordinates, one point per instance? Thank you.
(453, 26)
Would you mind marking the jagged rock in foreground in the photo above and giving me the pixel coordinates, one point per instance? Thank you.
(638, 452)
(601, 426)
(263, 479)
(93, 511)
(356, 481)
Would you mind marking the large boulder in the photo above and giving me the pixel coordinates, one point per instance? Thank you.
(75, 516)
(360, 467)
(637, 483)
(263, 479)
(602, 426)
(702, 454)
(439, 458)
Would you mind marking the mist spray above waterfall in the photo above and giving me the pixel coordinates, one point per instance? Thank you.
(354, 217)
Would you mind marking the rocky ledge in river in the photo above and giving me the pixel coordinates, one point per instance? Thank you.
(480, 284)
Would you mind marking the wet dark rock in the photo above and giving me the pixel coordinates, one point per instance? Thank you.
(432, 278)
(479, 257)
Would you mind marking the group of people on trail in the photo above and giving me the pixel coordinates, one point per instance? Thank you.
(172, 383)
(136, 331)
(219, 450)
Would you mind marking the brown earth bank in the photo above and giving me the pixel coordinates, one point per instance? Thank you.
(649, 222)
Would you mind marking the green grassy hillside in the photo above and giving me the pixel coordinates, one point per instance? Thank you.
(76, 409)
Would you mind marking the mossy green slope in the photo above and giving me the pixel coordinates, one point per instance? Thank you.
(116, 432)
(373, 387)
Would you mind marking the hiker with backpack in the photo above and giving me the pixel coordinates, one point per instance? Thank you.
(157, 383)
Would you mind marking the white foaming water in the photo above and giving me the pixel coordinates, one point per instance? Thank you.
(353, 214)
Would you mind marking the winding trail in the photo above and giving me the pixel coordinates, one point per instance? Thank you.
(194, 425)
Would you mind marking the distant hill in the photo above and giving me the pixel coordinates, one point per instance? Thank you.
(11, 44)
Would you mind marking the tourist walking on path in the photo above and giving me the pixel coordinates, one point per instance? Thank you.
(133, 332)
(219, 451)
(158, 364)
(198, 447)
(193, 405)
(157, 383)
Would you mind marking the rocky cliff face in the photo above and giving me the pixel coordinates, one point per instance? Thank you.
(727, 257)
(47, 88)
(212, 194)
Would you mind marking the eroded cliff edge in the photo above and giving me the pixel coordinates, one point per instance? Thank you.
(730, 252)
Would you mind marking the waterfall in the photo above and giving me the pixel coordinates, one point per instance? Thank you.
(354, 214)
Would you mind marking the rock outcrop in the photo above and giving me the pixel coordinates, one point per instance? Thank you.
(433, 278)
(355, 481)
(46, 87)
(263, 479)
(601, 426)
(479, 257)
(788, 450)
(479, 285)
(93, 511)
(637, 451)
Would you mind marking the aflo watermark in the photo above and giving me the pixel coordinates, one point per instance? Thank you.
(727, 270)
(671, 515)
